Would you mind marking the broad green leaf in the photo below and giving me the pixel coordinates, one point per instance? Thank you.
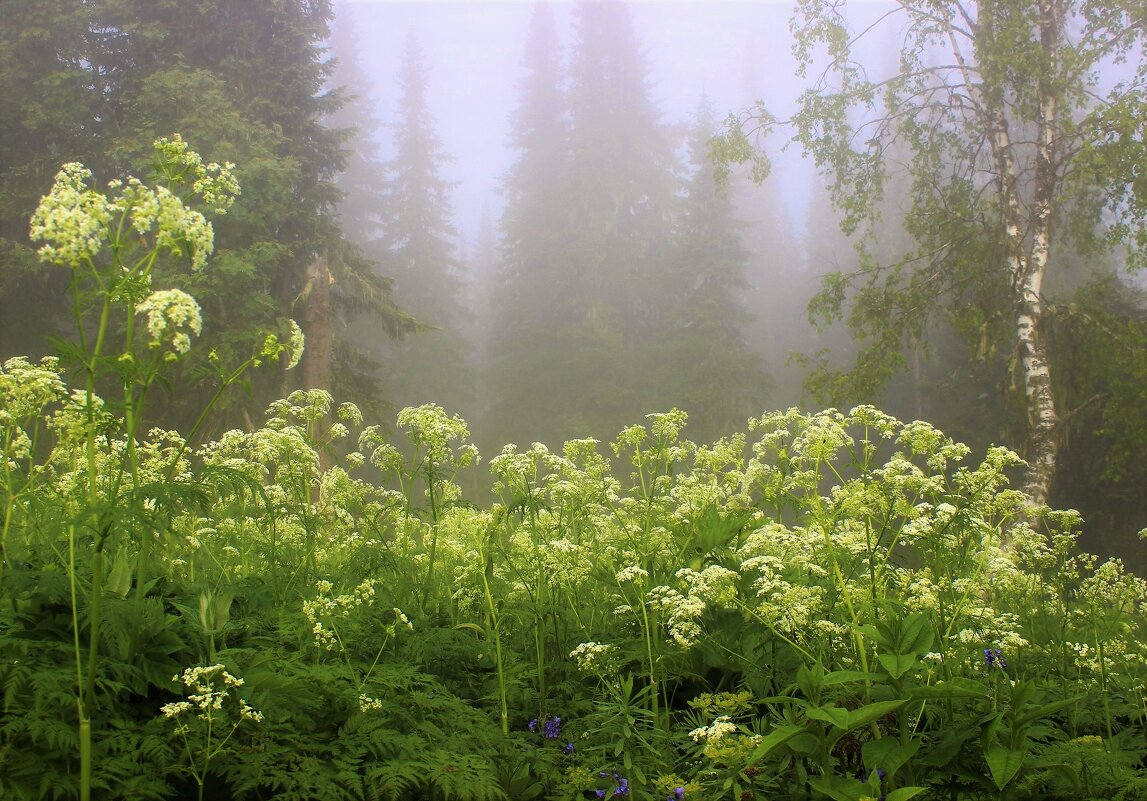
(904, 793)
(774, 739)
(1004, 763)
(878, 635)
(848, 676)
(1046, 710)
(810, 681)
(888, 754)
(119, 579)
(840, 789)
(848, 719)
(917, 635)
(897, 664)
(836, 715)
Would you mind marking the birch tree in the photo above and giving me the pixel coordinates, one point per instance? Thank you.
(1011, 113)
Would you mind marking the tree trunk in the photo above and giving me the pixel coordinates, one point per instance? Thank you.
(315, 319)
(315, 367)
(1029, 248)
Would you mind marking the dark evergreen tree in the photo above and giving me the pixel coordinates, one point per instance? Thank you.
(585, 298)
(532, 273)
(241, 82)
(621, 203)
(419, 250)
(363, 299)
(714, 375)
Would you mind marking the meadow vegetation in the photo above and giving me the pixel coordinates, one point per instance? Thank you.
(829, 605)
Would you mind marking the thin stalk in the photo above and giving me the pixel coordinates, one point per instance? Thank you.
(495, 626)
(1103, 689)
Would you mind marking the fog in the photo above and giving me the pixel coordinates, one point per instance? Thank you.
(555, 320)
(511, 209)
(734, 52)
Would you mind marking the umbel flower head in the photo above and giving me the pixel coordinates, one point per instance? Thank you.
(171, 315)
(209, 688)
(74, 221)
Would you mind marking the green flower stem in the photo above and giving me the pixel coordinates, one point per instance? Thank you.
(1099, 650)
(495, 625)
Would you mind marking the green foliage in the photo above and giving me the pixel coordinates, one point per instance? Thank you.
(820, 607)
(244, 82)
(971, 149)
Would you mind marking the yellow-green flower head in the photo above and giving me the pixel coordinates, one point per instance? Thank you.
(171, 314)
(72, 220)
(295, 345)
(214, 183)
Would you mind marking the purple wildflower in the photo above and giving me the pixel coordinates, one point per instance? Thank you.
(532, 725)
(552, 728)
(994, 658)
(569, 749)
(678, 794)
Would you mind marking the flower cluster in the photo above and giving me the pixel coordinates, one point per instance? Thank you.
(211, 686)
(323, 610)
(171, 314)
(994, 659)
(296, 343)
(683, 612)
(74, 221)
(594, 657)
(71, 219)
(620, 784)
(215, 183)
(551, 728)
(720, 727)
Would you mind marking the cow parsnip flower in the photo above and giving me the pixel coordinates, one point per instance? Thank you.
(72, 219)
(171, 315)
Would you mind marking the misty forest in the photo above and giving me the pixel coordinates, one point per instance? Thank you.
(474, 401)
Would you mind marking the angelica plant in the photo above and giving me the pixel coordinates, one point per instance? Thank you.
(110, 240)
(209, 718)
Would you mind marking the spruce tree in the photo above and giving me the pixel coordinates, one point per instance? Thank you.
(532, 273)
(418, 243)
(621, 205)
(584, 301)
(713, 375)
(363, 300)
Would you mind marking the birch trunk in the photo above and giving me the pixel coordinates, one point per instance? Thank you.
(1029, 248)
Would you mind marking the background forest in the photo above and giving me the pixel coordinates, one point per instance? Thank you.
(607, 274)
(586, 560)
